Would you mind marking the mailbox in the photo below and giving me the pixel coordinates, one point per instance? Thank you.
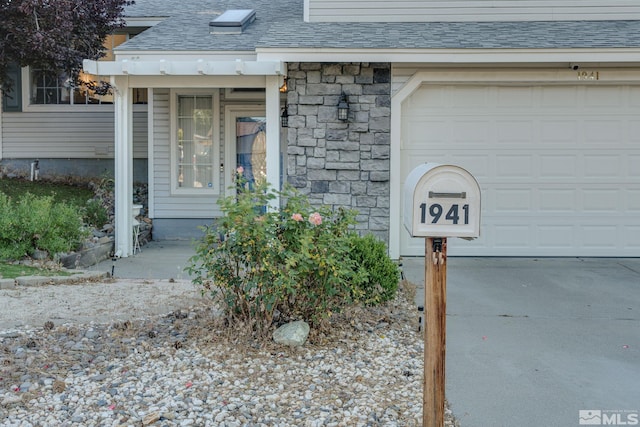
(441, 201)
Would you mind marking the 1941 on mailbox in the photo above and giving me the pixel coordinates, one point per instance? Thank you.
(441, 201)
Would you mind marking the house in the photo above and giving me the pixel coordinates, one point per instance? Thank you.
(539, 100)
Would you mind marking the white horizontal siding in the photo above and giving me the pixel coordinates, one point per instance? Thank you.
(470, 10)
(166, 204)
(67, 135)
(140, 134)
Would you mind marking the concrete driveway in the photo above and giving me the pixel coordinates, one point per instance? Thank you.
(531, 342)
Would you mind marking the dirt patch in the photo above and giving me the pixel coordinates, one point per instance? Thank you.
(103, 301)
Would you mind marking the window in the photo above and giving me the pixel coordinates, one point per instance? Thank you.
(47, 88)
(195, 150)
(11, 100)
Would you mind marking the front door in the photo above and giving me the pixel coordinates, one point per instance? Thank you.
(245, 148)
(251, 148)
(245, 145)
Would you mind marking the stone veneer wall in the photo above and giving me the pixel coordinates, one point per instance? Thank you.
(342, 163)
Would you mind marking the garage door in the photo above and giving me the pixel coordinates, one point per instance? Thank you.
(559, 166)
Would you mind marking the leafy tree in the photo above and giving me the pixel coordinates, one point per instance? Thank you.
(55, 35)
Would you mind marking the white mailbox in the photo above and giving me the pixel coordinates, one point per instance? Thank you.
(441, 201)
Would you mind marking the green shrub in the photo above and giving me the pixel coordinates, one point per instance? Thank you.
(33, 223)
(379, 275)
(293, 261)
(95, 213)
(13, 245)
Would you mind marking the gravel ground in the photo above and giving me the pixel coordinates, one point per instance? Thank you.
(153, 353)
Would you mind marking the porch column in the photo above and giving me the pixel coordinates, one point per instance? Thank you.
(123, 159)
(395, 196)
(273, 135)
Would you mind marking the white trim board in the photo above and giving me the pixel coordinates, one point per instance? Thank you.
(455, 56)
(150, 155)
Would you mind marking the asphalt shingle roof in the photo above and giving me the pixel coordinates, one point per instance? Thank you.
(186, 27)
(279, 24)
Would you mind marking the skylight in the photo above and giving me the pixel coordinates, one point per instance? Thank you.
(232, 21)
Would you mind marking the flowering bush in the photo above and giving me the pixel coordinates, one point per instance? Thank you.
(315, 257)
(315, 218)
(267, 262)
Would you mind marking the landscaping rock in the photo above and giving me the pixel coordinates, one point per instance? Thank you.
(40, 255)
(10, 400)
(150, 419)
(87, 276)
(88, 256)
(6, 284)
(32, 280)
(87, 366)
(292, 334)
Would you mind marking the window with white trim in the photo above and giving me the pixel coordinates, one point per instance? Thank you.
(49, 88)
(196, 141)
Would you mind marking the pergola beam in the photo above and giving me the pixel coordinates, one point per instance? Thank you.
(185, 68)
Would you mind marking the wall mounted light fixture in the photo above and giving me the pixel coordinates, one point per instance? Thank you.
(284, 88)
(284, 118)
(343, 108)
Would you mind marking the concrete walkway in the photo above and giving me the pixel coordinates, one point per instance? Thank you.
(530, 342)
(166, 259)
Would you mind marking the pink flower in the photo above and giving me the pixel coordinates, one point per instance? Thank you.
(240, 170)
(315, 218)
(296, 217)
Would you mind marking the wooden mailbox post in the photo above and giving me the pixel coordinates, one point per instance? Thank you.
(440, 201)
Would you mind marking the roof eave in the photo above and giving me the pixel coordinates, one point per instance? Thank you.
(146, 21)
(453, 56)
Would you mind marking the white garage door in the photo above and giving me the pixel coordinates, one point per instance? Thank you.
(559, 166)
